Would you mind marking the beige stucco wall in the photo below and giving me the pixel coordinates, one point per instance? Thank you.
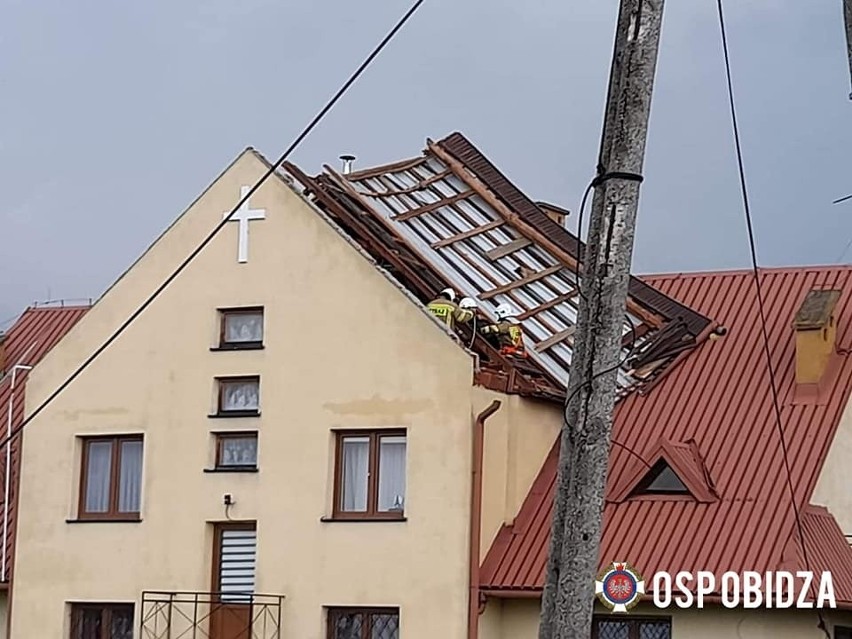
(518, 438)
(519, 620)
(834, 488)
(344, 348)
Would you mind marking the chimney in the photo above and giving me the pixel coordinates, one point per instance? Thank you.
(2, 353)
(816, 333)
(347, 163)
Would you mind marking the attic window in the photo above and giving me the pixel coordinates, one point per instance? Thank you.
(661, 480)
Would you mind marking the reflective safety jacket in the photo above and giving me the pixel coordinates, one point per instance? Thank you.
(449, 312)
(510, 336)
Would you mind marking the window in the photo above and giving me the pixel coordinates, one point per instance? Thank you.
(363, 623)
(234, 560)
(370, 475)
(101, 621)
(111, 483)
(661, 480)
(842, 632)
(236, 450)
(633, 628)
(239, 396)
(241, 328)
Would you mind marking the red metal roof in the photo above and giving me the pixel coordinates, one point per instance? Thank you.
(719, 401)
(27, 342)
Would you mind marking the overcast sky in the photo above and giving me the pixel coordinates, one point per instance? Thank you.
(115, 115)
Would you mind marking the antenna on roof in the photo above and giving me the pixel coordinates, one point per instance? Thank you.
(347, 163)
(842, 199)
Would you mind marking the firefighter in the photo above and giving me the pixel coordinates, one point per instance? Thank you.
(444, 307)
(508, 331)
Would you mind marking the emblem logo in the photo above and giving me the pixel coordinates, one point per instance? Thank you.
(619, 587)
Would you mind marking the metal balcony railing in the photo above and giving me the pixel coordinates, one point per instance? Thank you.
(209, 615)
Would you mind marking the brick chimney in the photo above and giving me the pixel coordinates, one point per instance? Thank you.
(816, 333)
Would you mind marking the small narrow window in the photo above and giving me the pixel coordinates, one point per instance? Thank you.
(842, 632)
(236, 450)
(239, 396)
(101, 621)
(370, 474)
(111, 482)
(661, 480)
(241, 328)
(363, 623)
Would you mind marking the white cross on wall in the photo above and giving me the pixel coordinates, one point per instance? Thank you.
(244, 215)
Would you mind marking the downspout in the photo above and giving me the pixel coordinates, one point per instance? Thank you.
(476, 517)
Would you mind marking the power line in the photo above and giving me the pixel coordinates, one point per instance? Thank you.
(316, 120)
(762, 311)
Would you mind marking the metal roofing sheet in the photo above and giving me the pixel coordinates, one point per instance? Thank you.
(719, 397)
(27, 342)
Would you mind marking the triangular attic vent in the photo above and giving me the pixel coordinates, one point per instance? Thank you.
(661, 480)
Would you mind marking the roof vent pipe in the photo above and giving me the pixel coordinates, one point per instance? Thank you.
(347, 163)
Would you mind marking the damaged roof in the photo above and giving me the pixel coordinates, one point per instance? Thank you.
(712, 421)
(450, 218)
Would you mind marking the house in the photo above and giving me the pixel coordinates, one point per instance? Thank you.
(287, 444)
(22, 347)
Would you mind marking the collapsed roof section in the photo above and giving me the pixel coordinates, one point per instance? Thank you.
(451, 218)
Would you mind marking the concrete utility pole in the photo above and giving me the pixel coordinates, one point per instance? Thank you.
(577, 520)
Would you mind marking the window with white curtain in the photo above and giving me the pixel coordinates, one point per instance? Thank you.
(111, 482)
(239, 395)
(236, 450)
(241, 328)
(370, 474)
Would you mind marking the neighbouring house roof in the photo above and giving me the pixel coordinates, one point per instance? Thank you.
(714, 416)
(29, 339)
(450, 218)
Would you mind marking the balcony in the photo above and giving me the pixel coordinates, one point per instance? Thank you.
(210, 615)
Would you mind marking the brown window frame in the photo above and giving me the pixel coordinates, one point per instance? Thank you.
(221, 382)
(241, 310)
(633, 623)
(372, 511)
(112, 513)
(842, 632)
(366, 628)
(106, 610)
(220, 439)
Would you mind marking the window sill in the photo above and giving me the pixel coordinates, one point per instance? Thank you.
(235, 414)
(237, 347)
(361, 520)
(106, 520)
(235, 469)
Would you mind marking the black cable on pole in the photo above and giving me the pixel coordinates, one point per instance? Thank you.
(759, 292)
(313, 123)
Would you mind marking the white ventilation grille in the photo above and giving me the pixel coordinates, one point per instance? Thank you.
(237, 565)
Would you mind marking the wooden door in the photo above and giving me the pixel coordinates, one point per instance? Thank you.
(234, 555)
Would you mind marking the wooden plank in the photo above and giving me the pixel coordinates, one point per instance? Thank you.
(507, 249)
(556, 301)
(402, 217)
(553, 340)
(522, 282)
(467, 234)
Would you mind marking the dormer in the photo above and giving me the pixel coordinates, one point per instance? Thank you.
(673, 471)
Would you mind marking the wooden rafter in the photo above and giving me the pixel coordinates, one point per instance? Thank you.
(556, 301)
(402, 217)
(521, 282)
(555, 339)
(507, 249)
(468, 234)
